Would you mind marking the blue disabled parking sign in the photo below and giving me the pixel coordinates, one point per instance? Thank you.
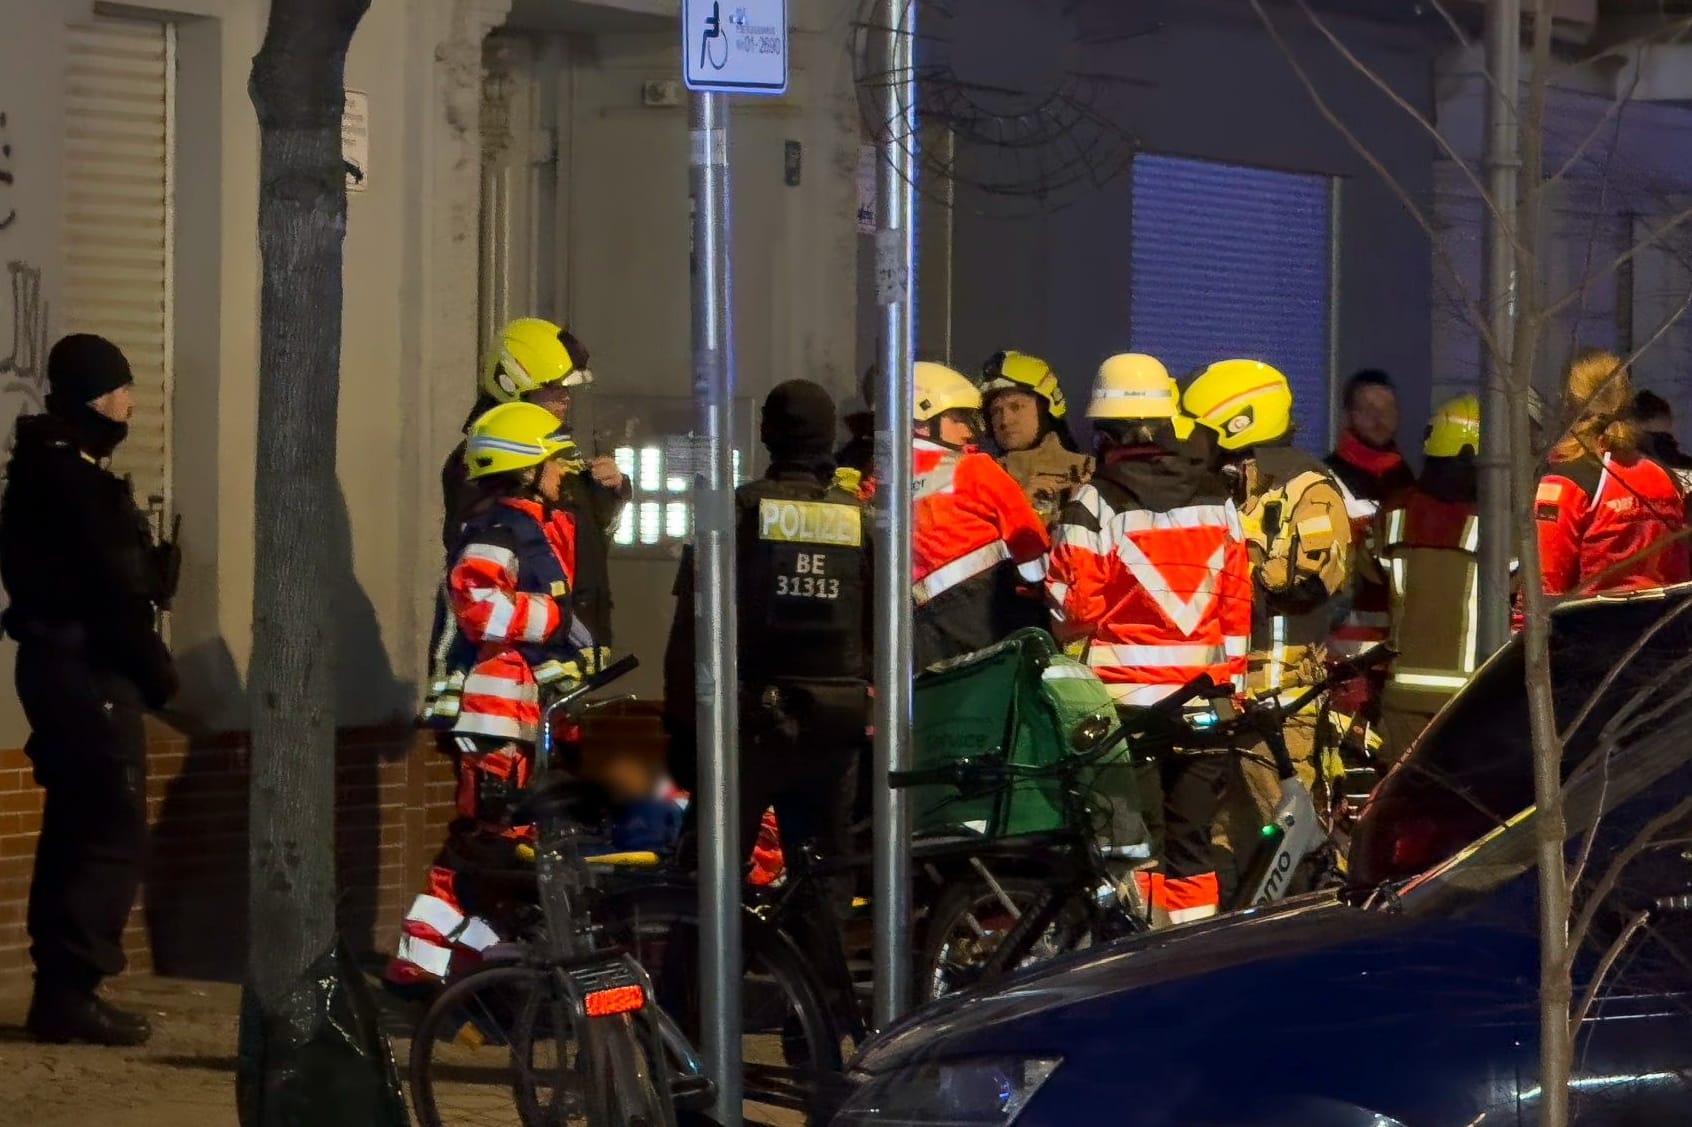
(735, 46)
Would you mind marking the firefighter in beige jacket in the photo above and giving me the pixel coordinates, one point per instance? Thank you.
(1299, 540)
(1026, 414)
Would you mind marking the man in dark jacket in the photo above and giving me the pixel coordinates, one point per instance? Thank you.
(1656, 422)
(802, 570)
(1370, 469)
(85, 580)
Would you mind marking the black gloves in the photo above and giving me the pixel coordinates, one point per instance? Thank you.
(167, 566)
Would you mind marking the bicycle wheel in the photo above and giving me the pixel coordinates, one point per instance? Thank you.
(626, 1085)
(499, 1048)
(969, 922)
(791, 1058)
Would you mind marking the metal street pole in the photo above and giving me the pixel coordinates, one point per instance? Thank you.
(714, 611)
(895, 253)
(1503, 164)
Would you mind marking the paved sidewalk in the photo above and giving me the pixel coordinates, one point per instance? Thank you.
(184, 1077)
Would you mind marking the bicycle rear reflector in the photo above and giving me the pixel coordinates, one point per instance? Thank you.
(615, 1000)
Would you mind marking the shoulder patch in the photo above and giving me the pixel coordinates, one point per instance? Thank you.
(1316, 532)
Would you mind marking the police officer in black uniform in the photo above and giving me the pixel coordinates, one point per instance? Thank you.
(803, 582)
(85, 580)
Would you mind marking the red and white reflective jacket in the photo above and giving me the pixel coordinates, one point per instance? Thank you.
(1158, 579)
(509, 589)
(970, 518)
(1613, 525)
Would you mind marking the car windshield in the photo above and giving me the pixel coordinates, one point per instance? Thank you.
(1622, 682)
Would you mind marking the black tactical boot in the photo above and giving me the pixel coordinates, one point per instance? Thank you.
(59, 1016)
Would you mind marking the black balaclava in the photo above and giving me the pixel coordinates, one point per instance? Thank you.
(798, 426)
(80, 369)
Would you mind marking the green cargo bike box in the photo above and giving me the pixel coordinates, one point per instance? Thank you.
(1018, 703)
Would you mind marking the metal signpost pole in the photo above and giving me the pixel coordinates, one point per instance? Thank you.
(895, 291)
(713, 576)
(741, 50)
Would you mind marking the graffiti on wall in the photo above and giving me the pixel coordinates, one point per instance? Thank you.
(8, 213)
(23, 354)
(25, 358)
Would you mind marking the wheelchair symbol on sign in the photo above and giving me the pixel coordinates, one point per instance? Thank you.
(717, 56)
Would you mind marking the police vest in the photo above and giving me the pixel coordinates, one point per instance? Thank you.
(538, 570)
(803, 563)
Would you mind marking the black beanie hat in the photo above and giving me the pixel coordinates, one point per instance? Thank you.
(81, 368)
(798, 420)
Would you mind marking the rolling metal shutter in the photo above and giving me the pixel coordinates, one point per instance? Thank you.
(119, 136)
(1236, 262)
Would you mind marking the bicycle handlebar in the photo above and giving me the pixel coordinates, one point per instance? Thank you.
(613, 672)
(568, 700)
(969, 774)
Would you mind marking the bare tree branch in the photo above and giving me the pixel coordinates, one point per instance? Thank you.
(1617, 263)
(1322, 107)
(1612, 875)
(1403, 103)
(1613, 112)
(1590, 994)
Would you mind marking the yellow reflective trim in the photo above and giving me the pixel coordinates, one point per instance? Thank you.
(637, 860)
(1395, 528)
(1310, 526)
(1430, 680)
(810, 522)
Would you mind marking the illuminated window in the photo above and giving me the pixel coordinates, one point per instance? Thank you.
(660, 508)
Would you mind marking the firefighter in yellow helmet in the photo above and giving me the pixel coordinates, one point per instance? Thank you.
(509, 592)
(1027, 418)
(536, 361)
(1424, 545)
(1299, 542)
(977, 546)
(1150, 574)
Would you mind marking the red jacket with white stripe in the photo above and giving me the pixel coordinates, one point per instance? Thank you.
(509, 589)
(973, 535)
(1151, 567)
(1613, 525)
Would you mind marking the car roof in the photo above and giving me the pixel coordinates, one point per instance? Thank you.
(1614, 660)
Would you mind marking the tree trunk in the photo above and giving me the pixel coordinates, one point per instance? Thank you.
(297, 87)
(1556, 1053)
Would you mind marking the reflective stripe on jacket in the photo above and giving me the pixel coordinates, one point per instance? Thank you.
(969, 518)
(1162, 596)
(509, 589)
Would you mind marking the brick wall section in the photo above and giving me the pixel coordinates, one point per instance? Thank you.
(394, 797)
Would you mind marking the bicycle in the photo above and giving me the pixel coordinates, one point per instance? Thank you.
(800, 1001)
(570, 1019)
(605, 926)
(1018, 900)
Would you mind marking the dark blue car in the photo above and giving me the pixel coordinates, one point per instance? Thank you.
(1411, 998)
